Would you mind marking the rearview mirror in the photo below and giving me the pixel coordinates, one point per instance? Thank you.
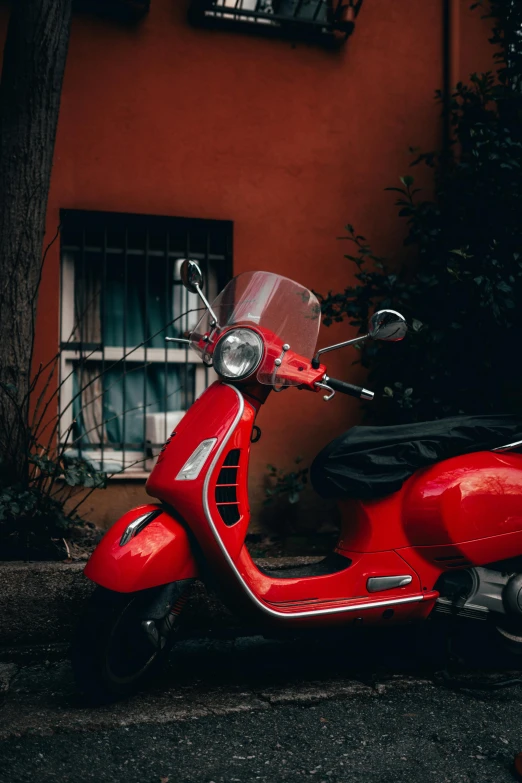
(387, 325)
(191, 275)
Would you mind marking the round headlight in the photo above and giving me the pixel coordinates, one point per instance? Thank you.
(238, 353)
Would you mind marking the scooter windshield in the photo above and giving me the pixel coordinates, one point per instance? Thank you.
(275, 304)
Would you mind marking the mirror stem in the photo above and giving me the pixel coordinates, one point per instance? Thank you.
(177, 340)
(205, 302)
(315, 360)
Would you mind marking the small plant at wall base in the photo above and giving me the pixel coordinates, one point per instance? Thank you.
(294, 523)
(462, 295)
(38, 509)
(283, 512)
(285, 485)
(33, 521)
(39, 506)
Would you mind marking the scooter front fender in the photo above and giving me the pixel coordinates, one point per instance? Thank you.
(146, 547)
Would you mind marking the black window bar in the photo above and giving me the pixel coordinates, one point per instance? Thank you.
(120, 293)
(329, 21)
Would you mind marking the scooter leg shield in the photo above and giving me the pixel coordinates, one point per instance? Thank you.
(146, 547)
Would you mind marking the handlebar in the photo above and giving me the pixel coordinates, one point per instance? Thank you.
(348, 388)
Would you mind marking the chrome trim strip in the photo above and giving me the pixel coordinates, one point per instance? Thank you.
(509, 446)
(133, 528)
(311, 613)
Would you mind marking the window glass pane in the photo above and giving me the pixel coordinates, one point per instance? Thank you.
(120, 306)
(302, 9)
(109, 408)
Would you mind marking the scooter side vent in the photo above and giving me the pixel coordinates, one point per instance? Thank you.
(226, 489)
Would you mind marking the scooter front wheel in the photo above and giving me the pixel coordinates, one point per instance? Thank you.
(112, 654)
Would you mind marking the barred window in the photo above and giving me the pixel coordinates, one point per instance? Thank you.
(122, 387)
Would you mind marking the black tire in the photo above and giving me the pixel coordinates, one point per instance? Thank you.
(112, 657)
(509, 634)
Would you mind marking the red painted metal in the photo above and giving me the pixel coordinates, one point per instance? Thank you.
(466, 498)
(305, 601)
(461, 512)
(159, 554)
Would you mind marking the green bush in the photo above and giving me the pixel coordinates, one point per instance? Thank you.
(37, 507)
(285, 485)
(462, 292)
(44, 483)
(33, 514)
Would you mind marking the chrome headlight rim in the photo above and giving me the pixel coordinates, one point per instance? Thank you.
(219, 345)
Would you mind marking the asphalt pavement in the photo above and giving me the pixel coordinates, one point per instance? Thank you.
(353, 709)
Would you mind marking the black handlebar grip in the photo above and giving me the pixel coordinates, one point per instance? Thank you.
(348, 388)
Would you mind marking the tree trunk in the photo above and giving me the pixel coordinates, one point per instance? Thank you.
(30, 89)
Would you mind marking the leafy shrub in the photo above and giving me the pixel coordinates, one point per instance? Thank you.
(36, 508)
(285, 485)
(462, 294)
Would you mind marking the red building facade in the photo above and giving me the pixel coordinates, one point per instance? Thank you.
(283, 140)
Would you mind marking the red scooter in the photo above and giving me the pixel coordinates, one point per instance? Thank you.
(443, 537)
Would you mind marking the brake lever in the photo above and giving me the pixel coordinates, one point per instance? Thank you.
(326, 397)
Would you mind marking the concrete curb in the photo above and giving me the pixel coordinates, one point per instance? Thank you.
(41, 602)
(42, 698)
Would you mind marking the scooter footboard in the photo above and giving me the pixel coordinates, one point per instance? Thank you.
(146, 547)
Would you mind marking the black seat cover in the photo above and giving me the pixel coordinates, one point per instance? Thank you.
(371, 462)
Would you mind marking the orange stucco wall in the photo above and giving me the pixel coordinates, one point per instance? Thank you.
(290, 142)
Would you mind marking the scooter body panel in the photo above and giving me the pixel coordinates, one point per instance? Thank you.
(219, 520)
(220, 414)
(461, 512)
(465, 511)
(160, 553)
(474, 497)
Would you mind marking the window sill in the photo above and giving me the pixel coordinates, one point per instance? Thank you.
(130, 475)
